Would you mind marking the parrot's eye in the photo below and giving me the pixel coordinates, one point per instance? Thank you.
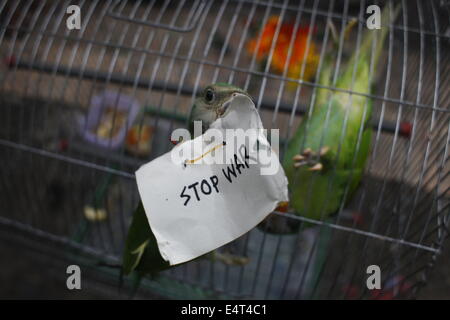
(209, 95)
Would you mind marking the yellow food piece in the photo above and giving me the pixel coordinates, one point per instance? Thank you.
(110, 123)
(95, 215)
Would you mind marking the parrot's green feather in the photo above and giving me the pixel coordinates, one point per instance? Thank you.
(318, 184)
(141, 251)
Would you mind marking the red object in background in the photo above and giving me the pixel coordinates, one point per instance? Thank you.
(282, 207)
(393, 288)
(358, 218)
(378, 294)
(301, 61)
(63, 144)
(406, 129)
(10, 61)
(351, 291)
(174, 142)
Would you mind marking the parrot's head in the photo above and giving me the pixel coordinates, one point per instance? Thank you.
(213, 103)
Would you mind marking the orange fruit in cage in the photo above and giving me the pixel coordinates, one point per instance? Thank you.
(301, 53)
(138, 139)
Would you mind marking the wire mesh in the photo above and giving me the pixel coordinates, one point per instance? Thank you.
(160, 54)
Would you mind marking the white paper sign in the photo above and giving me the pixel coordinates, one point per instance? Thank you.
(204, 193)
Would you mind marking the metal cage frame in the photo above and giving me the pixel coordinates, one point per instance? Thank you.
(166, 52)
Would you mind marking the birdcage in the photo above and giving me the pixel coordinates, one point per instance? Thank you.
(142, 63)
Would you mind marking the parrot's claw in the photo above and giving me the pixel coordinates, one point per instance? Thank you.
(324, 150)
(300, 164)
(298, 157)
(317, 167)
(302, 159)
(307, 152)
(309, 158)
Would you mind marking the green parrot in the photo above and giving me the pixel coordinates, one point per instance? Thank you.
(141, 253)
(322, 160)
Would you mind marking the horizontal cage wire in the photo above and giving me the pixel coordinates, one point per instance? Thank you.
(154, 57)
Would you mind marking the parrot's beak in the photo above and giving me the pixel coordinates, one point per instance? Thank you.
(221, 111)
